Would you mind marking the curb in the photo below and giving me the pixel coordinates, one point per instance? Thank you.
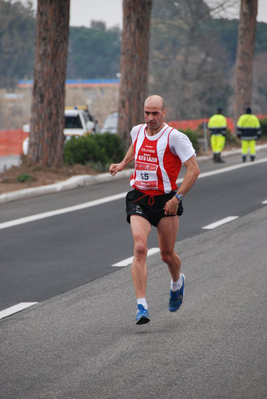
(85, 180)
(69, 184)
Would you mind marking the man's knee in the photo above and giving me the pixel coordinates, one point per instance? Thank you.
(140, 249)
(167, 256)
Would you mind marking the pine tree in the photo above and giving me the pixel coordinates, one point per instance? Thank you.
(47, 113)
(245, 56)
(134, 64)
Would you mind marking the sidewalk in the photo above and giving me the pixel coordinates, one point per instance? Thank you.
(83, 180)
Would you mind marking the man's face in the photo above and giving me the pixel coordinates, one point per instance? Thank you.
(154, 115)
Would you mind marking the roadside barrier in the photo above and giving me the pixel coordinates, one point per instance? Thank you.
(11, 142)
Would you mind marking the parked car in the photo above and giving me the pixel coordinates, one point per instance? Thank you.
(111, 123)
(83, 114)
(78, 122)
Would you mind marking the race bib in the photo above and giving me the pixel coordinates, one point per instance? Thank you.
(146, 176)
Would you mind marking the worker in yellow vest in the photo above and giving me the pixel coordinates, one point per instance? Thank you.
(217, 126)
(248, 130)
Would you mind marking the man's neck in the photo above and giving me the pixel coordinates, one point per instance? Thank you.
(154, 132)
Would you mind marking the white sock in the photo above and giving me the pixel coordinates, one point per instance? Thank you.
(142, 301)
(176, 285)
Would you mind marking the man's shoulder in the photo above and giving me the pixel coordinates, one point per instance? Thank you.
(175, 132)
(217, 117)
(137, 127)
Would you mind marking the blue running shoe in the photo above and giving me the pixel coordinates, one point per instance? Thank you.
(176, 298)
(142, 315)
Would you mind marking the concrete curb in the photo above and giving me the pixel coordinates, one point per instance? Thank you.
(69, 184)
(86, 180)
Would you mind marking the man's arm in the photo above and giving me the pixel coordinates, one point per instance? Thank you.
(189, 180)
(117, 167)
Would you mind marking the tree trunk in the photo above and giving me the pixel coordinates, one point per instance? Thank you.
(245, 56)
(48, 98)
(134, 64)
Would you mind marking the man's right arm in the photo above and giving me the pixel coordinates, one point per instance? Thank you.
(117, 167)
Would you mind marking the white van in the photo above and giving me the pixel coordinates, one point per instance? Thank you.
(77, 123)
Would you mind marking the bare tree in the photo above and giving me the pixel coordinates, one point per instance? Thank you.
(134, 63)
(189, 70)
(47, 113)
(245, 56)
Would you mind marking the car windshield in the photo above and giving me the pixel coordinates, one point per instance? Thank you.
(73, 122)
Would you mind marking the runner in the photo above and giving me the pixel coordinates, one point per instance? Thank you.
(159, 152)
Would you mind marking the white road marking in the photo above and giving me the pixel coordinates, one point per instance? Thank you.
(100, 201)
(220, 222)
(231, 168)
(16, 308)
(128, 261)
(264, 202)
(44, 215)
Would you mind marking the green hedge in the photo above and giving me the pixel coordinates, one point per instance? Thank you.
(96, 150)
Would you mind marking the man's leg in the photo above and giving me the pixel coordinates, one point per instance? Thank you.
(221, 144)
(213, 147)
(244, 149)
(140, 231)
(252, 149)
(167, 231)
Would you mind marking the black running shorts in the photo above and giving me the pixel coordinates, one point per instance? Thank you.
(150, 208)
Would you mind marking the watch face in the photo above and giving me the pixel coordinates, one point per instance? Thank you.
(180, 197)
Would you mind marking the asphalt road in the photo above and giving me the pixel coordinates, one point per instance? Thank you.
(80, 340)
(84, 343)
(50, 256)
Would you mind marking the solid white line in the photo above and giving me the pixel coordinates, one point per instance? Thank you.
(264, 202)
(128, 261)
(100, 201)
(231, 168)
(44, 215)
(16, 308)
(220, 222)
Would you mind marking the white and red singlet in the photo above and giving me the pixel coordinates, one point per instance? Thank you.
(158, 159)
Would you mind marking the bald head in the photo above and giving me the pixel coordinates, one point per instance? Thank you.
(155, 101)
(154, 112)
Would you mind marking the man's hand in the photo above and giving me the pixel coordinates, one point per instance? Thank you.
(115, 167)
(171, 206)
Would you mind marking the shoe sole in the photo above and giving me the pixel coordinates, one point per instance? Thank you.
(143, 320)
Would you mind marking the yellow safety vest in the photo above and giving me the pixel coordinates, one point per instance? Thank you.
(249, 127)
(217, 124)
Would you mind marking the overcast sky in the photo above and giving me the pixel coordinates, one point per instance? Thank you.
(82, 12)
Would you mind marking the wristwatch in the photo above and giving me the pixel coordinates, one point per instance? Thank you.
(180, 197)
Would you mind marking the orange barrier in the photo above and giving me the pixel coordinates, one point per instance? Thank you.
(11, 142)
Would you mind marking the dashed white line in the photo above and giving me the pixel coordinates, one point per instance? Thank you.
(220, 222)
(128, 261)
(16, 308)
(264, 202)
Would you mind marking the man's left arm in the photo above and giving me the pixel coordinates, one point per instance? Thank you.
(189, 180)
